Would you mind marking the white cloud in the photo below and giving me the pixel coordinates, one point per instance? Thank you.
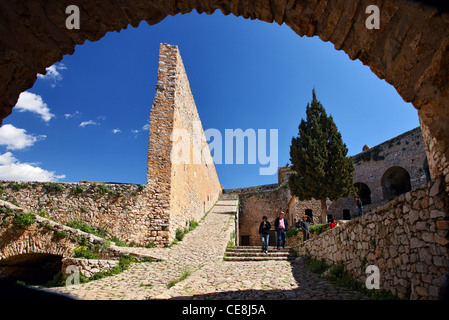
(32, 102)
(135, 131)
(12, 169)
(146, 127)
(15, 138)
(89, 122)
(53, 73)
(116, 130)
(76, 114)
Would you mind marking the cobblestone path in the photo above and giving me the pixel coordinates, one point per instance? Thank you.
(200, 253)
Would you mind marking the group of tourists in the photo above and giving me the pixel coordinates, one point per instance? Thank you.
(281, 227)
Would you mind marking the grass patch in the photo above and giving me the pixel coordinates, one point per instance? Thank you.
(84, 252)
(118, 242)
(78, 224)
(339, 276)
(184, 276)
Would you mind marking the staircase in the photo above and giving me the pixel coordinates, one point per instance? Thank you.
(253, 253)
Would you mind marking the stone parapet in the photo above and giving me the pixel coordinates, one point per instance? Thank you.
(407, 239)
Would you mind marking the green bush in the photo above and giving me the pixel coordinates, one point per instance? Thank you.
(53, 187)
(179, 234)
(24, 218)
(193, 224)
(97, 231)
(17, 186)
(292, 232)
(102, 188)
(318, 228)
(61, 233)
(78, 189)
(84, 253)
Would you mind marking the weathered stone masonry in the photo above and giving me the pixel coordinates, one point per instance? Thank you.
(407, 239)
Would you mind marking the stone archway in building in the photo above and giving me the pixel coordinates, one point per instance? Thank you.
(410, 50)
(395, 181)
(364, 192)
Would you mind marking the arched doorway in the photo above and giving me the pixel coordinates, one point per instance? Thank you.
(395, 181)
(364, 192)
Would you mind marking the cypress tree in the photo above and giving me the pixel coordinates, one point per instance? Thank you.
(319, 157)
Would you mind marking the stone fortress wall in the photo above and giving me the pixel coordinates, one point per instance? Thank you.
(407, 239)
(194, 184)
(381, 171)
(175, 194)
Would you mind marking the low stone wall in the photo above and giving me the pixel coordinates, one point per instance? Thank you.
(87, 267)
(125, 211)
(407, 239)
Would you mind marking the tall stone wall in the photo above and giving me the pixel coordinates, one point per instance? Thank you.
(179, 161)
(407, 239)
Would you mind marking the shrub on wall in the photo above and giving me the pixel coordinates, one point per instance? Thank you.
(24, 218)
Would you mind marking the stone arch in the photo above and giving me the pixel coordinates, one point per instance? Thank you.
(395, 181)
(410, 50)
(364, 192)
(32, 268)
(31, 256)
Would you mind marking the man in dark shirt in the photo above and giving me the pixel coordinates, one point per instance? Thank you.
(359, 206)
(264, 230)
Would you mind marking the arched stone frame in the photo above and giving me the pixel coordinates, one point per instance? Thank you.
(364, 192)
(395, 181)
(410, 50)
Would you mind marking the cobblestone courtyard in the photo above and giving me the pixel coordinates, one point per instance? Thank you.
(200, 255)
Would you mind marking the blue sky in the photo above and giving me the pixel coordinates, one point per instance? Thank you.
(86, 120)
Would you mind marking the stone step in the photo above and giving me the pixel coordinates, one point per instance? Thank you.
(265, 258)
(254, 253)
(256, 249)
(257, 254)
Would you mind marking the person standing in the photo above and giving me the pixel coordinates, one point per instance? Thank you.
(281, 227)
(305, 228)
(359, 205)
(264, 231)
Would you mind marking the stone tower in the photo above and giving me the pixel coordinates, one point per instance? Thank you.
(180, 168)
